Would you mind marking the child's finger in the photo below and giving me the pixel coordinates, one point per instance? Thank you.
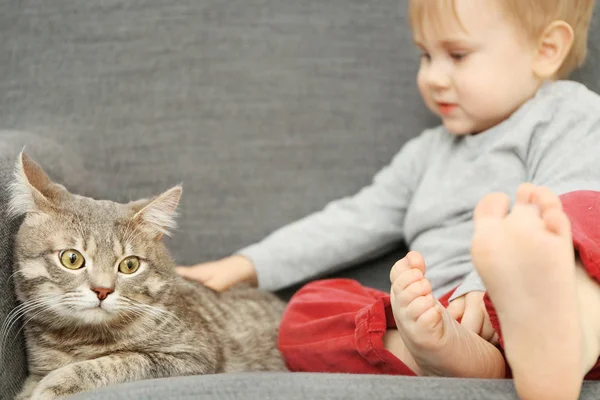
(473, 318)
(194, 273)
(214, 284)
(487, 331)
(456, 308)
(219, 283)
(183, 271)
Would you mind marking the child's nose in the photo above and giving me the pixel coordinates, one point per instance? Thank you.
(437, 76)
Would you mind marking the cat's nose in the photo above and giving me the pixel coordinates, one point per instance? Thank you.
(102, 292)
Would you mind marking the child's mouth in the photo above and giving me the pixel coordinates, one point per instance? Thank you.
(446, 108)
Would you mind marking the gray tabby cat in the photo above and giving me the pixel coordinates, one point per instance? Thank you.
(102, 301)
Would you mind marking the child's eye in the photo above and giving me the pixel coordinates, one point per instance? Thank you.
(425, 56)
(458, 56)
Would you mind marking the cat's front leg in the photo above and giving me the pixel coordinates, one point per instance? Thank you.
(118, 368)
(58, 384)
(30, 384)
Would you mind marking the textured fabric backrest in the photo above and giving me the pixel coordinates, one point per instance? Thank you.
(264, 109)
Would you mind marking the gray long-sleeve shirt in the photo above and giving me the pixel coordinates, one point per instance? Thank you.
(427, 194)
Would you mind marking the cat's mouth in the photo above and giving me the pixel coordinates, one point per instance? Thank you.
(98, 307)
(96, 314)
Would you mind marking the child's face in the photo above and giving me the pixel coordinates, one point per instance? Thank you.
(476, 77)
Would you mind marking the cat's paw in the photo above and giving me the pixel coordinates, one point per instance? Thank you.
(44, 395)
(28, 387)
(56, 386)
(23, 396)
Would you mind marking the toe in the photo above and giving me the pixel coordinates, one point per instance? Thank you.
(431, 319)
(406, 291)
(557, 222)
(415, 260)
(488, 236)
(494, 205)
(399, 268)
(406, 280)
(545, 199)
(524, 193)
(421, 287)
(412, 260)
(420, 305)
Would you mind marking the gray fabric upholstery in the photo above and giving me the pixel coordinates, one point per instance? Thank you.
(314, 387)
(265, 109)
(307, 386)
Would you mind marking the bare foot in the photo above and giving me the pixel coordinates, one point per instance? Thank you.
(438, 344)
(527, 263)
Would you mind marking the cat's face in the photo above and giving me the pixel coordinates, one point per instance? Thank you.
(85, 261)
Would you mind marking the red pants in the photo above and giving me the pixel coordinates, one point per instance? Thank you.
(337, 325)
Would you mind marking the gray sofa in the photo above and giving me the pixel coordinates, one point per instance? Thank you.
(264, 109)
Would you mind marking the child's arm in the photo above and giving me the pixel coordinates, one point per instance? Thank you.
(345, 232)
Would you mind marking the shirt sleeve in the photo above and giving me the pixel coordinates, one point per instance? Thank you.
(346, 231)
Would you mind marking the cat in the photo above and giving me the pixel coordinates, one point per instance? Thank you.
(103, 304)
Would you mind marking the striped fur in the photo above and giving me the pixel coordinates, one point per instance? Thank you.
(155, 324)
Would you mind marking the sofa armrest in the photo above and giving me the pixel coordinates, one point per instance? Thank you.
(64, 166)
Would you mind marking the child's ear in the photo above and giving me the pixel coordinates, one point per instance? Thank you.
(553, 47)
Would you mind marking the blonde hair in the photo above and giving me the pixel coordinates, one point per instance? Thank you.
(531, 16)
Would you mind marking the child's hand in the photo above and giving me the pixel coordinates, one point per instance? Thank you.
(470, 310)
(222, 274)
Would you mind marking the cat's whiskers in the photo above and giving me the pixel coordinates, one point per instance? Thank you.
(125, 306)
(124, 315)
(65, 300)
(32, 317)
(30, 306)
(146, 310)
(133, 314)
(133, 307)
(159, 312)
(36, 307)
(21, 310)
(13, 275)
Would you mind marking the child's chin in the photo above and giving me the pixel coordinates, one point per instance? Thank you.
(457, 130)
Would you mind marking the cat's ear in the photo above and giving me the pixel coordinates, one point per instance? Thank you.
(159, 213)
(31, 190)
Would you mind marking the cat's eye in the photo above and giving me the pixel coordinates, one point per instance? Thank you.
(71, 259)
(129, 265)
